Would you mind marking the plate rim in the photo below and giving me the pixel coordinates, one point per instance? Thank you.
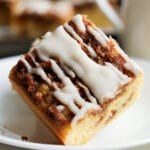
(41, 146)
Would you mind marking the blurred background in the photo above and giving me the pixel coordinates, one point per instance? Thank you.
(21, 21)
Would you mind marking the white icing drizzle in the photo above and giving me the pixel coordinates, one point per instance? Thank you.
(129, 65)
(99, 35)
(90, 97)
(47, 34)
(95, 76)
(38, 70)
(69, 95)
(69, 71)
(60, 107)
(35, 42)
(28, 67)
(133, 67)
(78, 20)
(70, 29)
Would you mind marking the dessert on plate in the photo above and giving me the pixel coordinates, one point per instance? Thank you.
(76, 80)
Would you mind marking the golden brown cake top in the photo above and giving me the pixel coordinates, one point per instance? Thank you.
(79, 50)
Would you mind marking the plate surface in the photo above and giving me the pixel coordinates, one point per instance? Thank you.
(131, 129)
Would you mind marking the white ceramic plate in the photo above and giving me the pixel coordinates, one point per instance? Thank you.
(130, 129)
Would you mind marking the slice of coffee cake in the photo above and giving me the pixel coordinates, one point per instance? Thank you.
(76, 80)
